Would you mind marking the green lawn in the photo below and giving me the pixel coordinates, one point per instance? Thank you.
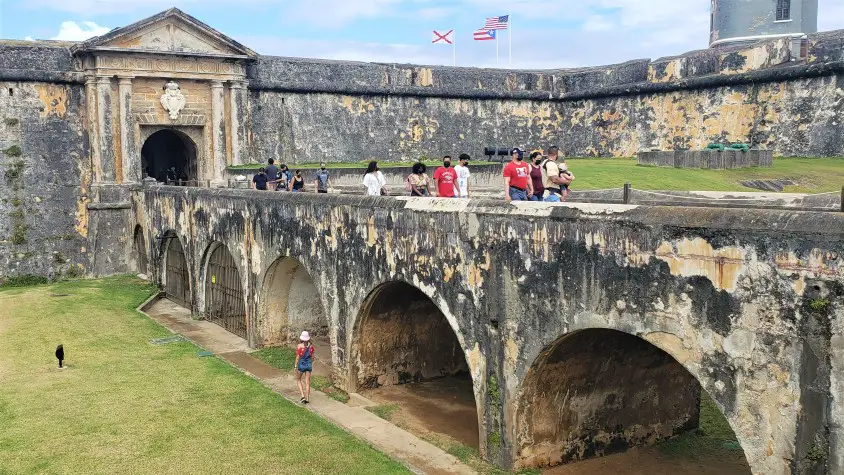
(812, 175)
(126, 406)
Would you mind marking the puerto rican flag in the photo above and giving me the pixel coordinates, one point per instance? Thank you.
(484, 35)
(497, 22)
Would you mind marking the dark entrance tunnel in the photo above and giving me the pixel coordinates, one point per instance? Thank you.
(598, 392)
(175, 275)
(169, 155)
(406, 354)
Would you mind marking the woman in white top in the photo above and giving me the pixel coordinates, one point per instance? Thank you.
(374, 180)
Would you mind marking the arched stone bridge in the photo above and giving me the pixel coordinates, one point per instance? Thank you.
(585, 328)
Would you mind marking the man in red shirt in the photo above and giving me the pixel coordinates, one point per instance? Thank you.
(445, 179)
(517, 183)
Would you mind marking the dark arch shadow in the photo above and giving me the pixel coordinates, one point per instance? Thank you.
(405, 351)
(224, 296)
(169, 155)
(289, 303)
(174, 269)
(140, 260)
(597, 392)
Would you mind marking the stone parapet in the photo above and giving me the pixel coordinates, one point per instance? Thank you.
(712, 159)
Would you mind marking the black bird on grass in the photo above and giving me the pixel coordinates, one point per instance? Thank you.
(60, 354)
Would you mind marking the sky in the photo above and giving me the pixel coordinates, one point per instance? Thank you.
(547, 34)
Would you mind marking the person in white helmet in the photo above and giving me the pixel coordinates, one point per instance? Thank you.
(304, 366)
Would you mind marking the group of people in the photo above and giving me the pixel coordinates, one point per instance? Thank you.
(449, 181)
(274, 178)
(541, 178)
(544, 178)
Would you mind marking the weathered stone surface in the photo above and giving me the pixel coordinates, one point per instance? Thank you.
(731, 295)
(46, 179)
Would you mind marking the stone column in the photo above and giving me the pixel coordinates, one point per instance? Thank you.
(238, 121)
(93, 128)
(105, 124)
(218, 134)
(128, 151)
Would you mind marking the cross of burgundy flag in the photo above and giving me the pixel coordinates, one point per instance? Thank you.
(446, 38)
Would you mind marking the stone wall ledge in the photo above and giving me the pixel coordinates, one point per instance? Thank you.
(797, 71)
(30, 75)
(817, 223)
(109, 206)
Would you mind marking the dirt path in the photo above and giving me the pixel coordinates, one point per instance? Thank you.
(650, 461)
(443, 406)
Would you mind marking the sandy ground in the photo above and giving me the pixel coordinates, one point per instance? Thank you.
(447, 406)
(649, 461)
(443, 406)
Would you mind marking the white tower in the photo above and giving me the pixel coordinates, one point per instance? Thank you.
(748, 20)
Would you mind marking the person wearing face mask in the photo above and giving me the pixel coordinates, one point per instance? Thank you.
(536, 176)
(445, 179)
(321, 179)
(517, 183)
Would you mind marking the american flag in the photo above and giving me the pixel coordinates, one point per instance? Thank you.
(484, 34)
(497, 23)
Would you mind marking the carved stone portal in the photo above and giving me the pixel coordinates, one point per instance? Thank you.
(173, 100)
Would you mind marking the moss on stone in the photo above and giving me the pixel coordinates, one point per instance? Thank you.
(13, 151)
(11, 121)
(19, 234)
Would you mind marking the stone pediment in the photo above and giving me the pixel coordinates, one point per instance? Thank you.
(169, 32)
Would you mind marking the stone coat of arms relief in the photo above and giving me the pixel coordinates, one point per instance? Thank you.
(173, 100)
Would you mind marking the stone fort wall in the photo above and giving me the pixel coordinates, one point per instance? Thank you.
(303, 110)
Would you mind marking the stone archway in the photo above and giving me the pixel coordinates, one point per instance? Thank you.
(170, 155)
(290, 303)
(224, 294)
(175, 273)
(596, 392)
(140, 262)
(405, 352)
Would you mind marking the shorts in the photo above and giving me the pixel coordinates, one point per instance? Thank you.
(305, 368)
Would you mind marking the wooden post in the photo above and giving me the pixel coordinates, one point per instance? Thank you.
(626, 196)
(842, 199)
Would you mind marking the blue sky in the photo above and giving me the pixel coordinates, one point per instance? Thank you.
(547, 33)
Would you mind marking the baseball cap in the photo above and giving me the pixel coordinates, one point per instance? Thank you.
(516, 150)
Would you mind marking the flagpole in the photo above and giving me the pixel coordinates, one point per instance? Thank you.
(496, 49)
(454, 47)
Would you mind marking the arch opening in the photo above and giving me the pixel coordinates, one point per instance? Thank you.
(406, 354)
(175, 276)
(224, 300)
(600, 392)
(290, 303)
(169, 156)
(140, 262)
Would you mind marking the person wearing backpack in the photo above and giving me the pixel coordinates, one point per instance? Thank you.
(555, 176)
(417, 183)
(321, 179)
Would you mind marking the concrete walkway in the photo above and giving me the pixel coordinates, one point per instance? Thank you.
(417, 454)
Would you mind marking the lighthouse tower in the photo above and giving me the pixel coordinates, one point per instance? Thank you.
(748, 20)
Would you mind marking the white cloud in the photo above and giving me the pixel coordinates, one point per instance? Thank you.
(72, 31)
(597, 23)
